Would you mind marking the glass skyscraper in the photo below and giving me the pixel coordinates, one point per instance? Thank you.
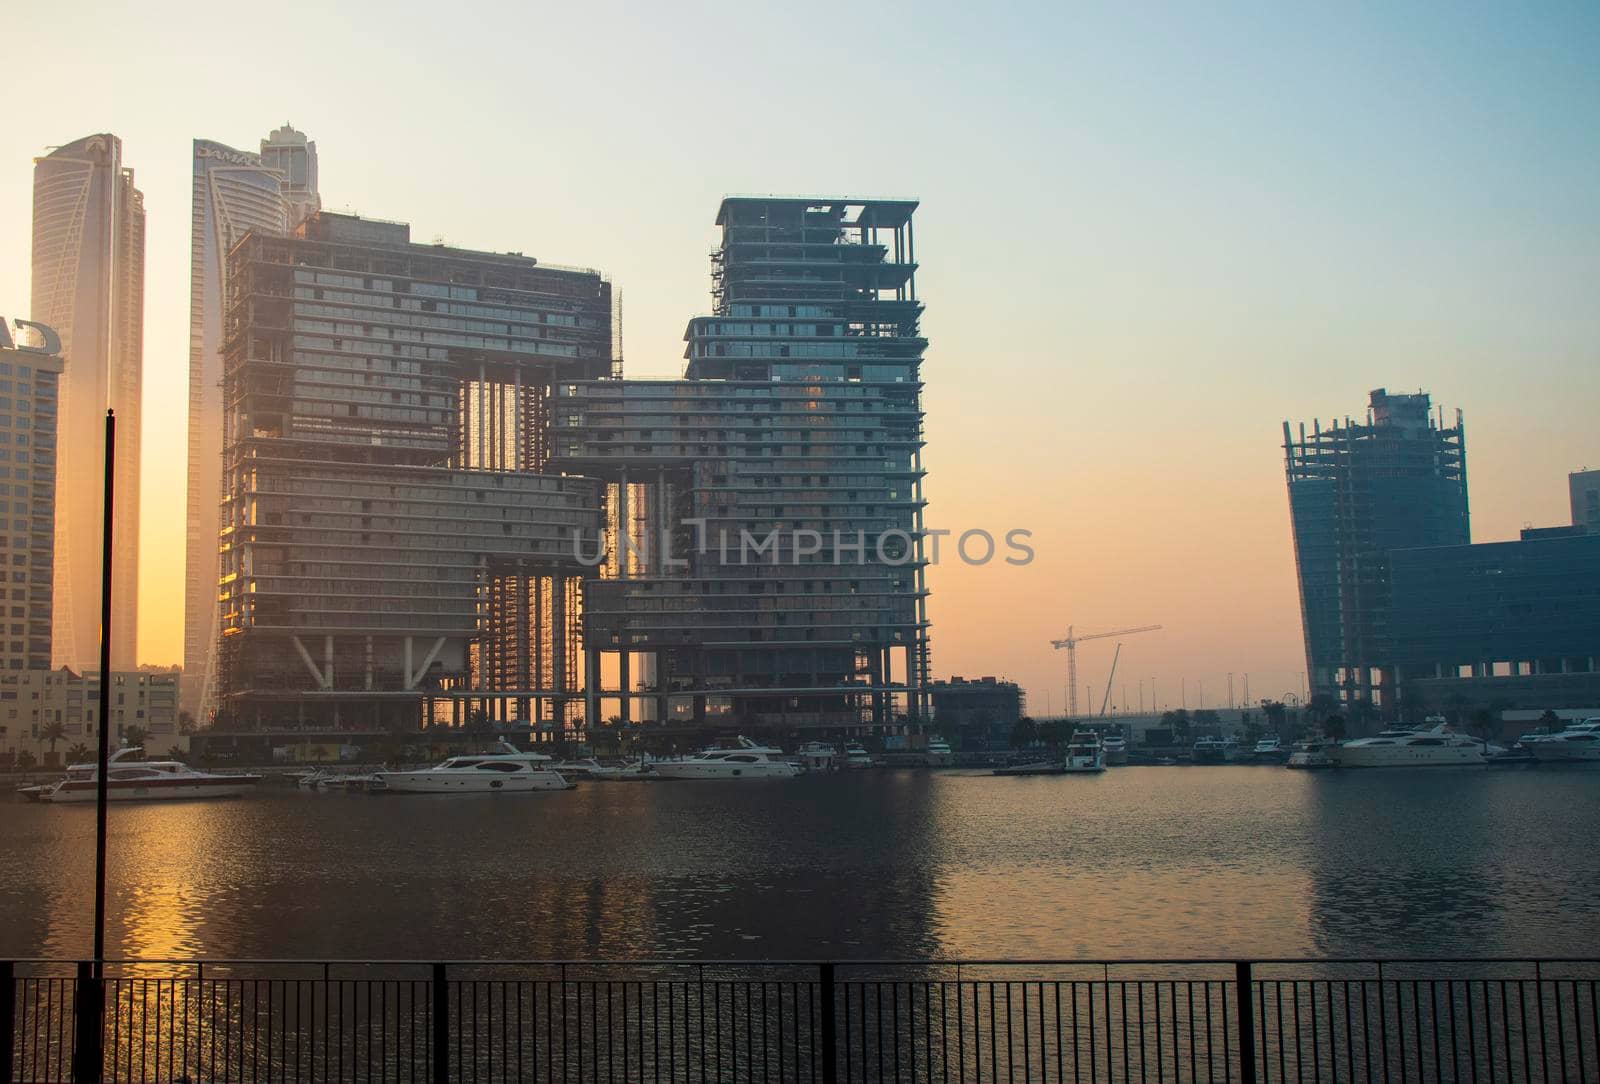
(88, 284)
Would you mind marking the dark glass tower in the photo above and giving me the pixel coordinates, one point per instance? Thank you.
(1357, 491)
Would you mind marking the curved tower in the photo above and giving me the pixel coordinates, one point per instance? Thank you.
(88, 284)
(233, 193)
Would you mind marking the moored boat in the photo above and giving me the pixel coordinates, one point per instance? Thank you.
(131, 779)
(1084, 753)
(1115, 747)
(506, 771)
(856, 755)
(1310, 755)
(1216, 751)
(1437, 747)
(1578, 742)
(1269, 750)
(746, 761)
(938, 753)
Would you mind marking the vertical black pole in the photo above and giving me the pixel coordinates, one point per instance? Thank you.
(105, 701)
(441, 1025)
(1245, 1002)
(830, 1035)
(8, 1017)
(88, 1032)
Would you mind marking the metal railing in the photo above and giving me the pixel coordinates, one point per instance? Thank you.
(1209, 1020)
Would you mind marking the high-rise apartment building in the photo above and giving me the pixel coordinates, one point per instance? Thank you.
(1357, 491)
(786, 470)
(1584, 487)
(88, 284)
(391, 546)
(30, 371)
(233, 192)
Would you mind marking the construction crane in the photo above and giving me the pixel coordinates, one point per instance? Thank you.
(1071, 642)
(1107, 698)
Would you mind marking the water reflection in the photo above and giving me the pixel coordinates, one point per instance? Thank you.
(1138, 862)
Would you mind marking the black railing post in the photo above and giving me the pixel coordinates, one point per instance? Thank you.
(1245, 1004)
(441, 1026)
(8, 1017)
(830, 1035)
(88, 1031)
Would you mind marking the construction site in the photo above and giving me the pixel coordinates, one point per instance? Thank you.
(1359, 489)
(444, 503)
(393, 549)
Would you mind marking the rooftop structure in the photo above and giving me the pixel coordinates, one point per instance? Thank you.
(391, 544)
(1357, 490)
(88, 284)
(785, 473)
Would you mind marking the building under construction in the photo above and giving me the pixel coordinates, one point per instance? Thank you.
(784, 474)
(393, 547)
(1357, 491)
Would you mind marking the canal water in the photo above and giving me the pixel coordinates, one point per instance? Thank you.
(1138, 862)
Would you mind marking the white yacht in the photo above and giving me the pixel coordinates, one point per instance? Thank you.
(1115, 747)
(1216, 751)
(1578, 742)
(747, 761)
(817, 756)
(856, 755)
(1085, 753)
(938, 753)
(1269, 749)
(1311, 755)
(1439, 746)
(131, 779)
(506, 771)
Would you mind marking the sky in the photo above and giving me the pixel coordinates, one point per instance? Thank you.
(1148, 235)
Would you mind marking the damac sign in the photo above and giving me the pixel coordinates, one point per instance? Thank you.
(16, 341)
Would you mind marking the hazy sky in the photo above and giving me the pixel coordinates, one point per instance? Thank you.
(1147, 238)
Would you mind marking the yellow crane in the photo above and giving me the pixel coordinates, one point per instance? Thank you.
(1071, 643)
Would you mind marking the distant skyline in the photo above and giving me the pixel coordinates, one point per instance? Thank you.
(1146, 239)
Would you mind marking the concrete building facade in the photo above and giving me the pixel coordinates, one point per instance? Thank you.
(88, 284)
(784, 473)
(1357, 491)
(233, 193)
(392, 545)
(30, 372)
(34, 701)
(981, 711)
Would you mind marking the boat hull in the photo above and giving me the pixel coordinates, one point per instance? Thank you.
(152, 790)
(1400, 756)
(691, 770)
(452, 783)
(1555, 751)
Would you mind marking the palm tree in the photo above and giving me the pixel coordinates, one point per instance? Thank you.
(78, 753)
(1333, 727)
(52, 733)
(176, 753)
(135, 735)
(1550, 721)
(1486, 724)
(26, 760)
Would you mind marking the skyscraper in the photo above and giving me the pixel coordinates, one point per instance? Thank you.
(1358, 491)
(233, 192)
(88, 284)
(29, 374)
(799, 421)
(391, 543)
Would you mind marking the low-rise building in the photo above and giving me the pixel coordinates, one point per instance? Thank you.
(980, 712)
(34, 703)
